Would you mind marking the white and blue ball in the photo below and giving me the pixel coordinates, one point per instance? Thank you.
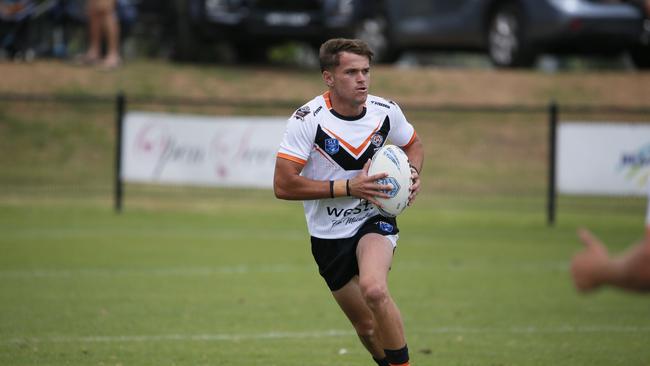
(392, 160)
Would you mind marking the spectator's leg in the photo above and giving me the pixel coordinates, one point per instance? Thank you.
(94, 33)
(112, 27)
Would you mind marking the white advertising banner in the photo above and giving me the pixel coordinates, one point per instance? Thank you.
(198, 150)
(603, 158)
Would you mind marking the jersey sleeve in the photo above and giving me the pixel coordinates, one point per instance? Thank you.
(402, 132)
(297, 141)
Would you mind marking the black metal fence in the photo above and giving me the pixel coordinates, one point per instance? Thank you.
(472, 150)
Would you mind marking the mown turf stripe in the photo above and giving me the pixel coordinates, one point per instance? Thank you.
(552, 266)
(226, 337)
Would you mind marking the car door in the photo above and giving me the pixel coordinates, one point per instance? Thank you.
(433, 23)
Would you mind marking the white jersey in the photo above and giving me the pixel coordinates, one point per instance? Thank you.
(332, 147)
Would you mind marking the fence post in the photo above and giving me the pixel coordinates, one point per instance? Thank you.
(120, 107)
(552, 155)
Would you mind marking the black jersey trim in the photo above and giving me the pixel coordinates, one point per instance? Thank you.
(341, 156)
(349, 118)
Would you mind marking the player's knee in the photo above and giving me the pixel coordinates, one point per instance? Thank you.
(375, 294)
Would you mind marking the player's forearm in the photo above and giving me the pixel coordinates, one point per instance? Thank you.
(301, 188)
(415, 152)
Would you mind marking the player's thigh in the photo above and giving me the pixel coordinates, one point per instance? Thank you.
(374, 255)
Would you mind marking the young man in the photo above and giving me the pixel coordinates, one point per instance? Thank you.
(323, 160)
(593, 267)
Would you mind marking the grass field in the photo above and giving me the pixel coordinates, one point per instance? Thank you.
(225, 277)
(476, 285)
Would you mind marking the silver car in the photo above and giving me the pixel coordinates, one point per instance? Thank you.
(512, 32)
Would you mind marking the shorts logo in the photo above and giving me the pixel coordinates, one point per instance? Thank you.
(377, 140)
(385, 227)
(331, 146)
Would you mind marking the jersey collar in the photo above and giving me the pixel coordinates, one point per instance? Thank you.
(328, 104)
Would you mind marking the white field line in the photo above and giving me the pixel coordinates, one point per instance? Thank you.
(252, 269)
(564, 329)
(225, 337)
(154, 272)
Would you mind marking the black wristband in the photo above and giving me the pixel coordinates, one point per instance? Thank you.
(332, 188)
(347, 187)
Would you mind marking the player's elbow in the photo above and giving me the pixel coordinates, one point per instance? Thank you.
(285, 179)
(280, 191)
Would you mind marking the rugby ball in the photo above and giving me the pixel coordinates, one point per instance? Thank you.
(392, 160)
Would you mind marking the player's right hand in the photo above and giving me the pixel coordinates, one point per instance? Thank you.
(366, 187)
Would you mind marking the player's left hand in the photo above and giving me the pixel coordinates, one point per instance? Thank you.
(415, 187)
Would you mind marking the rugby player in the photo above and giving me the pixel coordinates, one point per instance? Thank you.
(323, 160)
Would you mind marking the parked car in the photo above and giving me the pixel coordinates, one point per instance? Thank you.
(252, 26)
(514, 32)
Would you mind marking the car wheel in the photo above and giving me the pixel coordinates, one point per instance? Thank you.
(506, 41)
(374, 31)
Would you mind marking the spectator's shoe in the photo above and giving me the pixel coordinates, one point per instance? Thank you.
(86, 60)
(111, 63)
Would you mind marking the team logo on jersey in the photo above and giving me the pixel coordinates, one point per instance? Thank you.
(331, 146)
(377, 140)
(385, 227)
(302, 112)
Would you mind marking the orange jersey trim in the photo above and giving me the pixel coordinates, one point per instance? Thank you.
(328, 101)
(411, 141)
(292, 158)
(355, 150)
(318, 149)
